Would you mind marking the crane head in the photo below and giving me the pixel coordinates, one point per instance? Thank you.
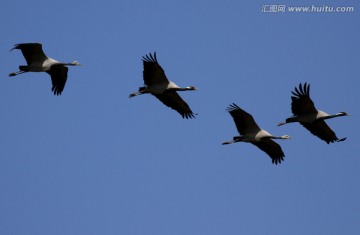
(75, 63)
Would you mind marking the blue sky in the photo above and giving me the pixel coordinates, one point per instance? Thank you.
(93, 161)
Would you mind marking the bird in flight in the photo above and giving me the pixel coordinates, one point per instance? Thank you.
(157, 84)
(250, 132)
(37, 61)
(307, 115)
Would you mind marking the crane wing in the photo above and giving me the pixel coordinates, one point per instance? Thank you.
(301, 102)
(173, 100)
(58, 75)
(32, 52)
(153, 73)
(320, 129)
(244, 121)
(272, 149)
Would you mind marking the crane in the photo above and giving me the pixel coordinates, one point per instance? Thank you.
(250, 132)
(37, 61)
(312, 119)
(157, 84)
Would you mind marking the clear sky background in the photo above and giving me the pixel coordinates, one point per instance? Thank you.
(93, 161)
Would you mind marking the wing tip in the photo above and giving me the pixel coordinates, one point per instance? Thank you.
(335, 140)
(16, 46)
(277, 160)
(189, 115)
(303, 90)
(56, 91)
(150, 58)
(232, 107)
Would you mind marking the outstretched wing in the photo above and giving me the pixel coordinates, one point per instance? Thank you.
(320, 129)
(173, 100)
(58, 75)
(153, 73)
(272, 149)
(244, 121)
(32, 52)
(301, 102)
